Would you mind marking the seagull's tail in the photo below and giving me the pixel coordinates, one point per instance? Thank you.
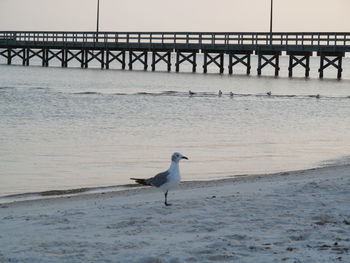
(141, 181)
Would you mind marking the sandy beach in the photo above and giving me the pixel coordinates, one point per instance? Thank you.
(301, 216)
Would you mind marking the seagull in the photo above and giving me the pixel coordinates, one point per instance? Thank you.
(165, 180)
(315, 96)
(231, 94)
(268, 93)
(191, 93)
(220, 93)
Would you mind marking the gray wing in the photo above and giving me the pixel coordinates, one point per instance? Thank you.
(159, 179)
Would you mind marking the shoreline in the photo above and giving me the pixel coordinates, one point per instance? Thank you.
(285, 217)
(92, 192)
(73, 192)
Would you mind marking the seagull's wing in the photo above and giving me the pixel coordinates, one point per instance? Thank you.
(159, 179)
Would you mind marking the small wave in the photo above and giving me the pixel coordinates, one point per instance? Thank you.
(6, 88)
(39, 88)
(144, 93)
(204, 94)
(88, 93)
(163, 93)
(45, 193)
(119, 94)
(286, 96)
(64, 192)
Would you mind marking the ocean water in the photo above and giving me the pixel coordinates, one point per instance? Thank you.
(75, 128)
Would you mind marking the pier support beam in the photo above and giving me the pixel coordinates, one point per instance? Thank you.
(90, 55)
(141, 56)
(335, 60)
(11, 53)
(158, 56)
(52, 54)
(45, 55)
(70, 55)
(41, 53)
(236, 57)
(298, 58)
(111, 56)
(9, 56)
(217, 59)
(273, 60)
(186, 55)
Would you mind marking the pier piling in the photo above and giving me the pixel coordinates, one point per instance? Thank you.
(112, 56)
(189, 56)
(217, 59)
(272, 60)
(335, 61)
(298, 58)
(239, 57)
(158, 56)
(141, 56)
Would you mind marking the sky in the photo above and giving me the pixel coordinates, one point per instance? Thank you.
(176, 15)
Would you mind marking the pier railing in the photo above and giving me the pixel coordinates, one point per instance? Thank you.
(197, 38)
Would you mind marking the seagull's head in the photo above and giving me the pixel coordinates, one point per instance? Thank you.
(176, 157)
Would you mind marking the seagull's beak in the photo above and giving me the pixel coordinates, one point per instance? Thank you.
(184, 157)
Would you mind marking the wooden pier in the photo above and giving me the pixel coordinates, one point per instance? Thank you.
(127, 48)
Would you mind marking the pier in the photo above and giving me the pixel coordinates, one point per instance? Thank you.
(127, 48)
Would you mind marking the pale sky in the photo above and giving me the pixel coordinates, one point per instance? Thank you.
(176, 15)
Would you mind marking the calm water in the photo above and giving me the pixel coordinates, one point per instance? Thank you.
(72, 128)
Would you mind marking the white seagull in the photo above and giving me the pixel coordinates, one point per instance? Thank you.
(165, 180)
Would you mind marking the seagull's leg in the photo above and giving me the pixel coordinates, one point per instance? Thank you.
(166, 199)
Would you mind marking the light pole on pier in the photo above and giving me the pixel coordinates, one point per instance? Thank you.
(98, 15)
(271, 11)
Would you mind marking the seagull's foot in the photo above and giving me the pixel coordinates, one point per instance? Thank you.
(167, 204)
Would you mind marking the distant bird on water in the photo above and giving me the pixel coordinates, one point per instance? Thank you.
(220, 93)
(231, 94)
(315, 96)
(268, 93)
(166, 180)
(191, 93)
